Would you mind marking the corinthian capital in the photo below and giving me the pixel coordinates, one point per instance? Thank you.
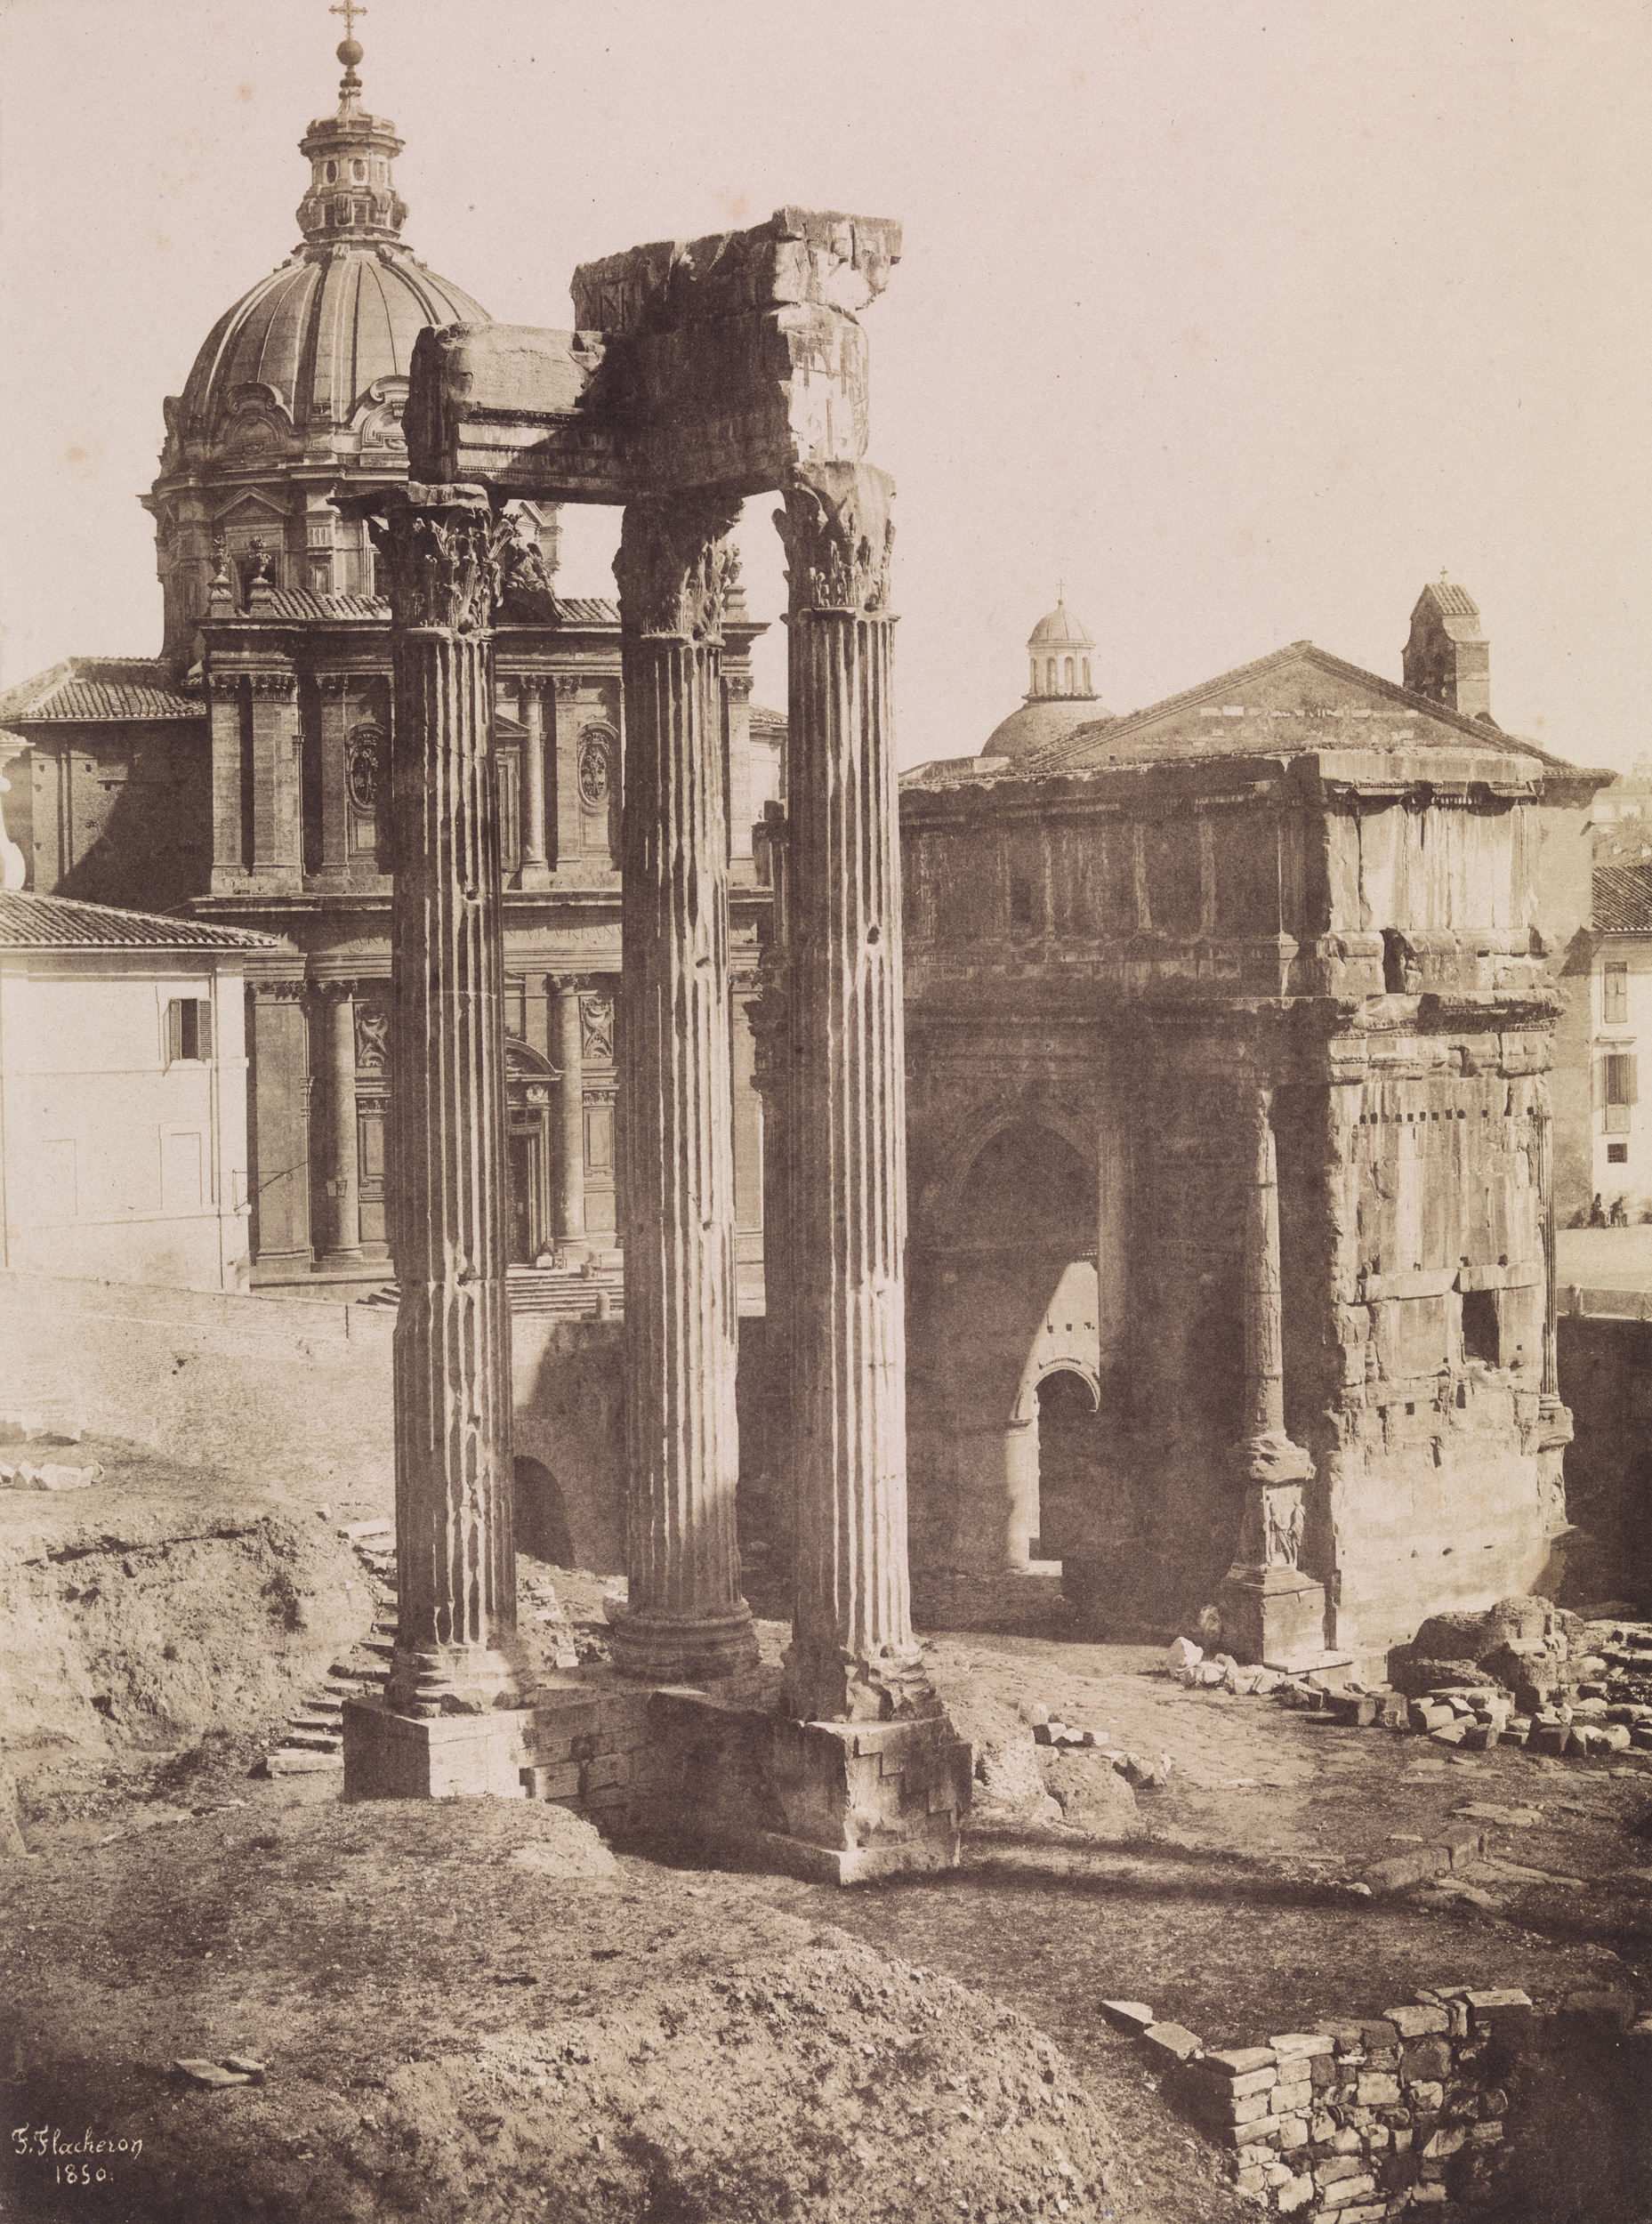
(674, 566)
(838, 535)
(441, 550)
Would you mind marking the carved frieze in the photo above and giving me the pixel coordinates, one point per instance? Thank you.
(675, 567)
(595, 761)
(596, 1027)
(365, 760)
(441, 554)
(838, 536)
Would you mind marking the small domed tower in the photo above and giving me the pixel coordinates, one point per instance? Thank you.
(1062, 695)
(1059, 649)
(298, 393)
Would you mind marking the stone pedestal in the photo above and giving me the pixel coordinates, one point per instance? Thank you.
(836, 1802)
(853, 1656)
(685, 1619)
(455, 1650)
(1272, 1614)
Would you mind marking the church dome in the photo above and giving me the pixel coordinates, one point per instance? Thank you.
(1062, 697)
(309, 352)
(298, 391)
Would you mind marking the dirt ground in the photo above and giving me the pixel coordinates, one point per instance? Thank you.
(477, 2009)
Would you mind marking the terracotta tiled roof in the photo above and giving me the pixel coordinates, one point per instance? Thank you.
(301, 606)
(299, 602)
(1622, 895)
(89, 690)
(54, 922)
(1450, 599)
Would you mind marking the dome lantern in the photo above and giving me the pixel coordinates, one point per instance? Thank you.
(352, 194)
(1059, 650)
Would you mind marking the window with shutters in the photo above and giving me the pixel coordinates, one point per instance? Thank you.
(1619, 1090)
(1615, 993)
(188, 1030)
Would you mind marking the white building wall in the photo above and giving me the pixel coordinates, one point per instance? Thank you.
(1622, 1135)
(119, 1162)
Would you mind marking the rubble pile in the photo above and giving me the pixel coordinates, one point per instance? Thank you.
(1139, 1770)
(1526, 1672)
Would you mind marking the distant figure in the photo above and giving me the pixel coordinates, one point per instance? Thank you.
(1597, 1212)
(1620, 1212)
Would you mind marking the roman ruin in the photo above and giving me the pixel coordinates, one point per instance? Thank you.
(699, 375)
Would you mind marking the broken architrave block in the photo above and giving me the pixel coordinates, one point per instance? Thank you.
(727, 362)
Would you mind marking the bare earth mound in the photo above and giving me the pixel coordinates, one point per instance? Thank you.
(470, 2010)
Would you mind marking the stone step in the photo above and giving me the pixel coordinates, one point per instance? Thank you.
(322, 1718)
(293, 1760)
(312, 1740)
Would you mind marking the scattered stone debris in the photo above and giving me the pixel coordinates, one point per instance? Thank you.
(50, 1474)
(235, 2069)
(1529, 1673)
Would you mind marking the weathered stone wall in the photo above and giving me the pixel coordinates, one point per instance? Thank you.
(1606, 1378)
(1428, 1495)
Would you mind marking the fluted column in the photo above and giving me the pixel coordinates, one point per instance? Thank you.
(340, 1139)
(536, 871)
(853, 1656)
(455, 1562)
(568, 1052)
(686, 1619)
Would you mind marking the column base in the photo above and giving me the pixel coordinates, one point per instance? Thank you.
(1273, 1614)
(834, 1803)
(654, 1648)
(391, 1756)
(453, 1680)
(352, 1255)
(535, 874)
(825, 1684)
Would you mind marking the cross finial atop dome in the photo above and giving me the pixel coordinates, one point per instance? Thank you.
(351, 195)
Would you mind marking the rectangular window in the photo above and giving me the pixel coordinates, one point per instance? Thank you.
(1618, 1153)
(1618, 1088)
(188, 1029)
(1615, 993)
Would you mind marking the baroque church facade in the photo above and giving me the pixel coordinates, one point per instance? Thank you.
(243, 774)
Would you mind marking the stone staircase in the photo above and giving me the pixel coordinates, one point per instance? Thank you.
(314, 1740)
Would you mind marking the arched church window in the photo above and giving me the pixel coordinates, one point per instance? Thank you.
(1033, 690)
(1066, 676)
(332, 173)
(359, 171)
(1088, 689)
(1049, 675)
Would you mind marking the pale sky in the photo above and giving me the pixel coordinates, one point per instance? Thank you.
(1244, 320)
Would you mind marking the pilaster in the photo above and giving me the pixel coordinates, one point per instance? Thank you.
(339, 1134)
(277, 809)
(567, 1055)
(536, 870)
(334, 867)
(686, 1619)
(853, 1656)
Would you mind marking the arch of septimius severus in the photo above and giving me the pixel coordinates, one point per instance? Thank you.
(700, 375)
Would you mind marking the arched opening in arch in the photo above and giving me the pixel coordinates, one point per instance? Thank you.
(1006, 1298)
(1068, 1404)
(541, 1529)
